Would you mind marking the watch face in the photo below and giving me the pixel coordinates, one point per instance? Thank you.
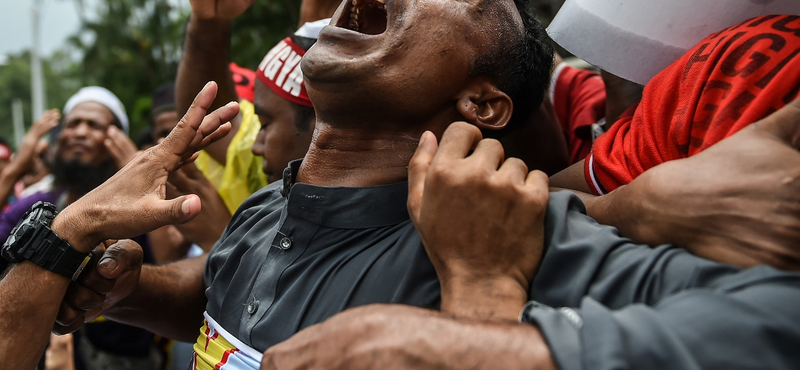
(20, 233)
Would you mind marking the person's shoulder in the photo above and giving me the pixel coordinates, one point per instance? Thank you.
(23, 204)
(261, 199)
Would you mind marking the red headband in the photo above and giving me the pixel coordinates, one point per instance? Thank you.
(280, 71)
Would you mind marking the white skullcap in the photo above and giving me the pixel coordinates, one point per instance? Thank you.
(636, 39)
(311, 29)
(103, 96)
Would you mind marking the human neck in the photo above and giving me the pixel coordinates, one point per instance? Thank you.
(357, 156)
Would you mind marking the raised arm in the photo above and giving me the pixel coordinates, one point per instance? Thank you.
(313, 10)
(206, 55)
(23, 162)
(130, 203)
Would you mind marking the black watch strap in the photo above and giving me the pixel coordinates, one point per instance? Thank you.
(60, 258)
(33, 240)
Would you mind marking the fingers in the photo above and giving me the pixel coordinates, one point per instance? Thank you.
(178, 183)
(68, 316)
(41, 147)
(120, 146)
(785, 124)
(67, 329)
(457, 141)
(515, 170)
(179, 210)
(196, 130)
(488, 154)
(538, 179)
(185, 180)
(184, 133)
(48, 121)
(122, 256)
(418, 168)
(214, 127)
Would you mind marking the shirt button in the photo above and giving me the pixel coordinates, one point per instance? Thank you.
(252, 307)
(285, 243)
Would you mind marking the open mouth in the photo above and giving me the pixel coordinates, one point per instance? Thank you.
(365, 16)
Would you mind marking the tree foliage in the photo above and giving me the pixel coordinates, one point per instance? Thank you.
(133, 46)
(15, 83)
(260, 28)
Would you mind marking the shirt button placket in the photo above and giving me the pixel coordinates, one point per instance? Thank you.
(285, 243)
(252, 307)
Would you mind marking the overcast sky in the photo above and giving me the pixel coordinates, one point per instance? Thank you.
(59, 19)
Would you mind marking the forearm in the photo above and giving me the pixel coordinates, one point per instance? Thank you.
(312, 10)
(205, 57)
(486, 299)
(466, 344)
(29, 300)
(168, 244)
(402, 337)
(643, 219)
(169, 300)
(585, 258)
(744, 322)
(8, 177)
(637, 223)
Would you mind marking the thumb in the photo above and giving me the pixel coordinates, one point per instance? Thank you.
(785, 124)
(122, 256)
(178, 210)
(418, 170)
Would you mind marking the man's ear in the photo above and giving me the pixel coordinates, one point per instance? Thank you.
(484, 105)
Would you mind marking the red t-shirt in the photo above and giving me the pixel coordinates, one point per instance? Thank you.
(729, 80)
(579, 100)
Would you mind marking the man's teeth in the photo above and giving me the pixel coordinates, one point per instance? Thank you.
(355, 11)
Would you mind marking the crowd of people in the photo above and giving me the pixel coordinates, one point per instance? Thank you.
(414, 184)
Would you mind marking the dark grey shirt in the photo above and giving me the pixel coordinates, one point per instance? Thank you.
(285, 263)
(618, 305)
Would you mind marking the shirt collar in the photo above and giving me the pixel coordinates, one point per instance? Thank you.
(345, 207)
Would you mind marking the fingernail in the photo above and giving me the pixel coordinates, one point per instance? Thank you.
(108, 263)
(185, 207)
(422, 139)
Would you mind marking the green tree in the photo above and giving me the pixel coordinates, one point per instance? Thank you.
(134, 45)
(15, 83)
(260, 28)
(131, 47)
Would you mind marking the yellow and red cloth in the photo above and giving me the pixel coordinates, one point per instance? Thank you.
(216, 349)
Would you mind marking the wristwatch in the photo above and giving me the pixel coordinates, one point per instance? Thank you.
(33, 240)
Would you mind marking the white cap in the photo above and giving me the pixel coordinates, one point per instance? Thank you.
(637, 39)
(103, 96)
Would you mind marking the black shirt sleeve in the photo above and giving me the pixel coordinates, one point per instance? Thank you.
(605, 302)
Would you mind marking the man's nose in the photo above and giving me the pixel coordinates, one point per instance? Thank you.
(81, 129)
(258, 144)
